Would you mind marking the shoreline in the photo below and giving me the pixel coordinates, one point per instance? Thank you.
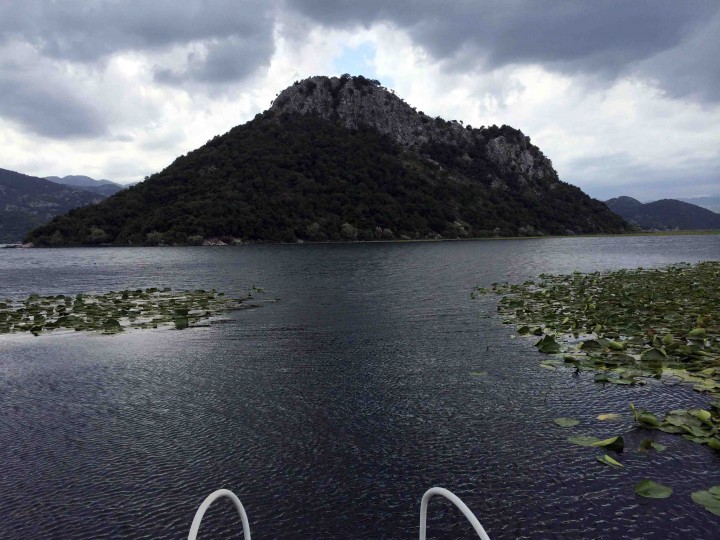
(706, 232)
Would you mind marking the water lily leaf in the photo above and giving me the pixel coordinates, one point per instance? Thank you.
(566, 422)
(583, 440)
(616, 345)
(702, 415)
(608, 460)
(550, 364)
(653, 355)
(652, 490)
(714, 443)
(708, 500)
(548, 345)
(696, 333)
(590, 344)
(647, 444)
(613, 443)
(608, 416)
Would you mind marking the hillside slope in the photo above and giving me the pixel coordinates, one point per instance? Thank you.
(665, 214)
(342, 158)
(27, 202)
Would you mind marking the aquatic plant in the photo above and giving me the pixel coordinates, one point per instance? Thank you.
(630, 327)
(115, 311)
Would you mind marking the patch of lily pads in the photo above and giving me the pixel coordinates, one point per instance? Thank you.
(629, 327)
(116, 311)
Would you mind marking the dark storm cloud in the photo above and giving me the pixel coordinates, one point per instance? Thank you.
(44, 104)
(606, 38)
(81, 31)
(234, 39)
(223, 61)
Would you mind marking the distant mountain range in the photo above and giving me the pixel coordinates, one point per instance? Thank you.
(666, 214)
(27, 202)
(342, 158)
(104, 187)
(711, 203)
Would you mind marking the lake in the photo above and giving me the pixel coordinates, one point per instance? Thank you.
(331, 411)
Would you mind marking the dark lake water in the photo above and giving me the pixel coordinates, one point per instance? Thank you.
(330, 412)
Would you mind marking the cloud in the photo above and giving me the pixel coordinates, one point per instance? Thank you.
(618, 94)
(219, 61)
(80, 31)
(603, 38)
(42, 99)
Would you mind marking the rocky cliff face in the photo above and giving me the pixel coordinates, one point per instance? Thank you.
(355, 101)
(358, 101)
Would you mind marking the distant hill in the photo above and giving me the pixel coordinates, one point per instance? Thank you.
(666, 214)
(27, 202)
(711, 202)
(343, 159)
(104, 187)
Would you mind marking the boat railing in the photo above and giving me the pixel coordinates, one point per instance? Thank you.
(197, 520)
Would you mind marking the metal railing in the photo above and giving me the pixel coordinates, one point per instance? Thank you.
(195, 527)
(457, 502)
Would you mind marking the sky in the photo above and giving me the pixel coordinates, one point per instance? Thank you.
(622, 96)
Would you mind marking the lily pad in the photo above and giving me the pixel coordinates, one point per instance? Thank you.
(566, 422)
(709, 499)
(652, 490)
(608, 460)
(647, 444)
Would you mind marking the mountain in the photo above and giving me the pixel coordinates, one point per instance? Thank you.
(666, 214)
(104, 187)
(27, 202)
(343, 159)
(711, 202)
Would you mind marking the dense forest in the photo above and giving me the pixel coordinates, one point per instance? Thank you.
(286, 177)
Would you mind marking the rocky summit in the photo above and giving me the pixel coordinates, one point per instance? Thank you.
(342, 158)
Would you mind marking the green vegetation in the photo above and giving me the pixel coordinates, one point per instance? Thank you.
(652, 490)
(709, 499)
(631, 327)
(115, 311)
(284, 178)
(626, 325)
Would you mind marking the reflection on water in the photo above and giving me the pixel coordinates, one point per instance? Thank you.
(330, 412)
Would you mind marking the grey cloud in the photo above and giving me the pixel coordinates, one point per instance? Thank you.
(608, 176)
(43, 104)
(605, 38)
(82, 31)
(238, 36)
(225, 61)
(58, 37)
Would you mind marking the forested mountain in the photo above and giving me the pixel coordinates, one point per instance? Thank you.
(103, 187)
(342, 159)
(665, 214)
(27, 202)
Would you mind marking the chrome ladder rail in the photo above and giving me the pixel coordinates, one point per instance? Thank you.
(195, 527)
(457, 502)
